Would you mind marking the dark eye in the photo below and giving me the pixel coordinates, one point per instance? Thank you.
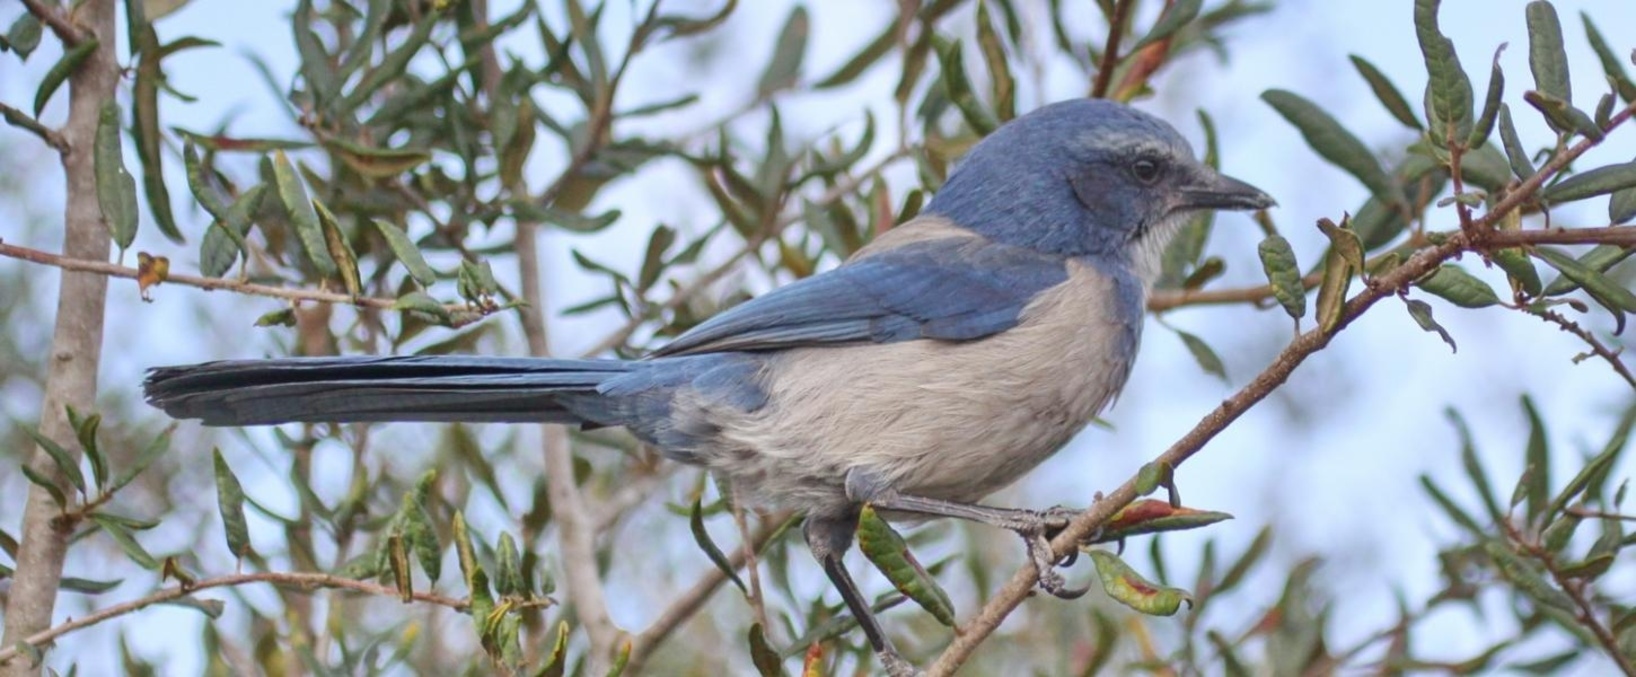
(1145, 170)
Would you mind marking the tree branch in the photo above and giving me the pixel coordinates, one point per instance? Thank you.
(58, 21)
(76, 341)
(1110, 52)
(27, 122)
(298, 580)
(460, 314)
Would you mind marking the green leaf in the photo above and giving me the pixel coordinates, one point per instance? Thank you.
(1455, 285)
(959, 90)
(65, 66)
(508, 568)
(230, 502)
(1610, 61)
(150, 453)
(1127, 587)
(45, 483)
(231, 144)
(708, 545)
(573, 221)
(224, 242)
(377, 163)
(85, 430)
(293, 194)
(1600, 258)
(283, 317)
(1521, 165)
(339, 249)
(1453, 510)
(1207, 358)
(860, 62)
(1278, 260)
(1448, 90)
(66, 464)
(406, 252)
(24, 35)
(145, 128)
(1002, 85)
(1176, 16)
(116, 189)
(1472, 463)
(1388, 93)
(394, 64)
(1596, 283)
(1333, 142)
(213, 608)
(420, 302)
(1343, 242)
(127, 542)
(1331, 307)
(1491, 104)
(1422, 314)
(1546, 57)
(887, 551)
(1596, 466)
(88, 586)
(1562, 116)
(1622, 206)
(1527, 580)
(1520, 269)
(680, 26)
(788, 53)
(1535, 483)
(762, 654)
(1589, 184)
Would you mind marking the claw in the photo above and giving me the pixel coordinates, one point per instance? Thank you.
(1050, 580)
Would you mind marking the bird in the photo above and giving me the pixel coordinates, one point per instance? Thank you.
(937, 364)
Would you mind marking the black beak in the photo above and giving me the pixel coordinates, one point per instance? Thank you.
(1211, 190)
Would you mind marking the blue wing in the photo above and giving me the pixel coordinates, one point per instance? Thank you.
(947, 288)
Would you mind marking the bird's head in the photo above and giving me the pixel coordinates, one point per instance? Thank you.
(1087, 177)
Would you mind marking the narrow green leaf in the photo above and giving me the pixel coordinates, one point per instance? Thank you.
(959, 90)
(1422, 314)
(420, 302)
(60, 71)
(1596, 466)
(1521, 164)
(1563, 116)
(1003, 87)
(1546, 57)
(242, 145)
(224, 242)
(87, 586)
(1207, 358)
(1278, 260)
(127, 541)
(230, 502)
(1472, 463)
(339, 249)
(1610, 62)
(1453, 510)
(1241, 568)
(508, 568)
(150, 453)
(393, 65)
(1333, 142)
(762, 654)
(1535, 484)
(573, 221)
(679, 26)
(45, 483)
(1591, 183)
(407, 253)
(860, 62)
(66, 463)
(1448, 90)
(293, 194)
(1594, 282)
(1453, 284)
(1176, 15)
(882, 545)
(116, 189)
(1331, 307)
(1622, 206)
(1127, 587)
(1600, 258)
(1491, 104)
(1525, 577)
(85, 430)
(214, 608)
(1520, 269)
(1388, 93)
(145, 129)
(708, 545)
(788, 53)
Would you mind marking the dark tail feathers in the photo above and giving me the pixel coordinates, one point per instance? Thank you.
(347, 389)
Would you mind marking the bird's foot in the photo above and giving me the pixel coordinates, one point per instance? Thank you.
(1037, 534)
(896, 665)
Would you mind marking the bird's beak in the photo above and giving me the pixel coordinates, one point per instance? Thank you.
(1212, 190)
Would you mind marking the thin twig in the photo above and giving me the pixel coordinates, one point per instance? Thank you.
(1022, 583)
(286, 579)
(57, 20)
(18, 118)
(1585, 335)
(460, 314)
(1110, 52)
(1576, 591)
(688, 603)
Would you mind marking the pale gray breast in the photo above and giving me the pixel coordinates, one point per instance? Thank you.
(939, 419)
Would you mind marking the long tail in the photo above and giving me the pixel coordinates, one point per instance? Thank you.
(346, 389)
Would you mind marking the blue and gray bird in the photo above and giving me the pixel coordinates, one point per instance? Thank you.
(940, 363)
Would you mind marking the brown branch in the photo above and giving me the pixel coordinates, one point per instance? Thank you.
(57, 20)
(689, 603)
(619, 336)
(1585, 335)
(27, 122)
(460, 314)
(297, 580)
(1110, 52)
(76, 339)
(1022, 583)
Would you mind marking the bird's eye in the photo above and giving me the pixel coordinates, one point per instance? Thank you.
(1145, 170)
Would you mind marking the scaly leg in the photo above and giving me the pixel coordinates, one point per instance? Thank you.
(829, 539)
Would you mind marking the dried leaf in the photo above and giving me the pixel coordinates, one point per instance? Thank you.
(1422, 314)
(788, 53)
(150, 271)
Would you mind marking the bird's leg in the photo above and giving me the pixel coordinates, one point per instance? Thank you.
(829, 539)
(1035, 526)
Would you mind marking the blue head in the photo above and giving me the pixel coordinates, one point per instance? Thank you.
(1086, 177)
